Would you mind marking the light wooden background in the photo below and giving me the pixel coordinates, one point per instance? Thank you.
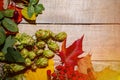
(98, 20)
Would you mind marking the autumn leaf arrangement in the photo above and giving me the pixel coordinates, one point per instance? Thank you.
(71, 67)
(22, 51)
(14, 46)
(15, 11)
(13, 14)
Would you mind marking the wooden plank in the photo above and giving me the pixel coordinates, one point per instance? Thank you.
(100, 65)
(80, 11)
(103, 41)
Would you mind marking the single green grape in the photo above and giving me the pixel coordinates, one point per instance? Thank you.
(61, 36)
(31, 55)
(43, 34)
(40, 44)
(48, 53)
(53, 46)
(24, 52)
(28, 62)
(42, 62)
(39, 52)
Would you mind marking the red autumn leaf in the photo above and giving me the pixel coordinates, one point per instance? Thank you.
(17, 14)
(1, 4)
(70, 55)
(62, 54)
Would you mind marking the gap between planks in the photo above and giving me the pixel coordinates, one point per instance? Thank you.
(75, 23)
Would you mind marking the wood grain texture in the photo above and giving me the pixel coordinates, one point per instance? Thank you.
(80, 11)
(103, 41)
(100, 65)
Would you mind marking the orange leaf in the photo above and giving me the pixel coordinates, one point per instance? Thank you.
(85, 66)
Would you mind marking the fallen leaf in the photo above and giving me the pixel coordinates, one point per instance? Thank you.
(13, 55)
(1, 4)
(69, 55)
(8, 43)
(108, 74)
(17, 14)
(85, 63)
(40, 73)
(26, 16)
(85, 66)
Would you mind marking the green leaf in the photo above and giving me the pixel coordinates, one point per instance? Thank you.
(1, 15)
(2, 35)
(31, 11)
(2, 38)
(8, 12)
(39, 8)
(8, 43)
(2, 29)
(13, 55)
(10, 25)
(33, 2)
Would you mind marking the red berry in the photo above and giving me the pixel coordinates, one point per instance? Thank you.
(54, 75)
(15, 17)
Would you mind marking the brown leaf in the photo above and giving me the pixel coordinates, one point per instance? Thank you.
(85, 66)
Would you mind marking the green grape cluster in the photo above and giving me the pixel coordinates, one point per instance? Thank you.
(22, 40)
(36, 50)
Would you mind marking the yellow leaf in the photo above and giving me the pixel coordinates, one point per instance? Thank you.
(25, 14)
(40, 73)
(119, 77)
(108, 74)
